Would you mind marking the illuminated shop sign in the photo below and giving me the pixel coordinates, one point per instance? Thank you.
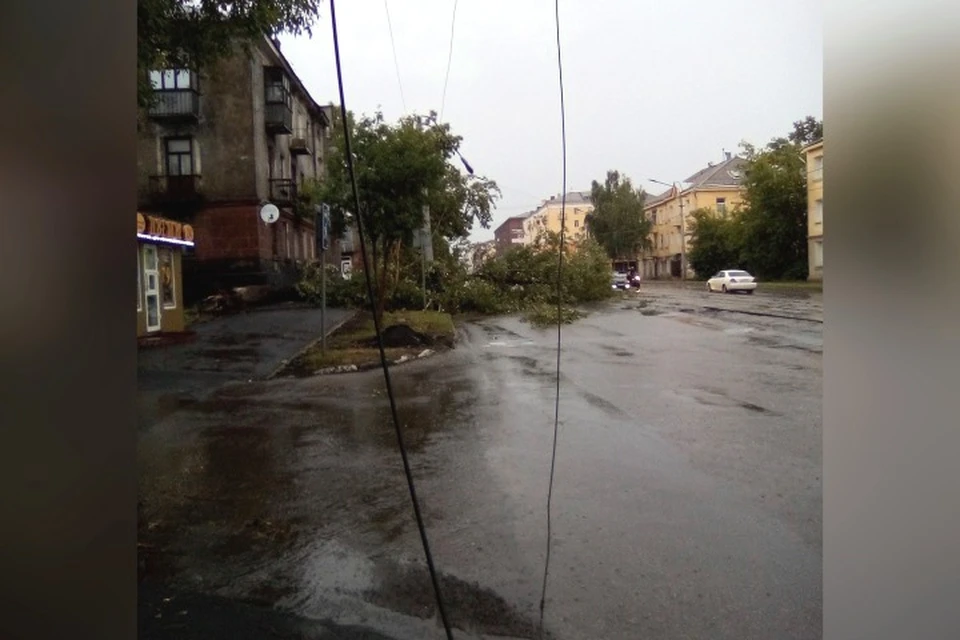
(156, 229)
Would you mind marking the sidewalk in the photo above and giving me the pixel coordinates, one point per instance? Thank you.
(243, 346)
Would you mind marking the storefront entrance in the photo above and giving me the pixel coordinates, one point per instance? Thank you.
(160, 246)
(151, 287)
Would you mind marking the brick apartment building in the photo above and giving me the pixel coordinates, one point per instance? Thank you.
(219, 144)
(510, 233)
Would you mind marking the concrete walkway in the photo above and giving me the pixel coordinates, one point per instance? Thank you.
(240, 347)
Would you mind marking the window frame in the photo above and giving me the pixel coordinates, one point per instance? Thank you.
(193, 79)
(139, 282)
(180, 155)
(164, 302)
(274, 78)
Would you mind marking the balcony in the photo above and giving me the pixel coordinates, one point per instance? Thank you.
(283, 191)
(278, 118)
(301, 142)
(176, 105)
(175, 189)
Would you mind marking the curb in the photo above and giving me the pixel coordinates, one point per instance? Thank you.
(309, 345)
(353, 368)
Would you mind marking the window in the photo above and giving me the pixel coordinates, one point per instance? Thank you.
(173, 80)
(818, 213)
(818, 254)
(576, 224)
(277, 87)
(722, 206)
(167, 290)
(816, 171)
(139, 290)
(179, 156)
(286, 238)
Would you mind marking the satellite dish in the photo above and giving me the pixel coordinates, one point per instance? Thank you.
(269, 213)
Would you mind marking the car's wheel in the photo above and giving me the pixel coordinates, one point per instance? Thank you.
(723, 288)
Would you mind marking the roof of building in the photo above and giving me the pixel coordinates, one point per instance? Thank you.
(728, 173)
(573, 197)
(273, 47)
(813, 145)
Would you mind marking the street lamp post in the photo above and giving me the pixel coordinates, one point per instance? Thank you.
(683, 228)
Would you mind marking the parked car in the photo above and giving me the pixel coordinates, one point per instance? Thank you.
(733, 280)
(620, 280)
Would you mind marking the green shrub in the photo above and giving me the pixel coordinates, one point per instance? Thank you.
(545, 315)
(406, 295)
(341, 292)
(477, 296)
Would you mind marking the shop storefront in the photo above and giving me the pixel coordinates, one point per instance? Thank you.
(160, 246)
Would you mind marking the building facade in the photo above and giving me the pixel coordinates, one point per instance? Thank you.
(218, 144)
(547, 217)
(717, 187)
(814, 159)
(510, 233)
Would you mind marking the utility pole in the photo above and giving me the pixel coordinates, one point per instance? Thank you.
(323, 231)
(683, 239)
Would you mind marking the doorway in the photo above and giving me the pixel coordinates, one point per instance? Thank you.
(151, 287)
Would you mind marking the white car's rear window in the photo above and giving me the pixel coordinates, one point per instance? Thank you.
(739, 274)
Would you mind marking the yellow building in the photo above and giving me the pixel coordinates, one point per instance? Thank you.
(160, 246)
(716, 187)
(547, 217)
(814, 159)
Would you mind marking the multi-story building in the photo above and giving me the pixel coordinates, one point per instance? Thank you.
(716, 187)
(814, 160)
(220, 143)
(510, 233)
(547, 217)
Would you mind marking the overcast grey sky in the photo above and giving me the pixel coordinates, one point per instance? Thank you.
(653, 89)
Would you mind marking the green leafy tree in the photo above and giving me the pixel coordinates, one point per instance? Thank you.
(196, 33)
(715, 242)
(806, 131)
(773, 221)
(617, 222)
(401, 168)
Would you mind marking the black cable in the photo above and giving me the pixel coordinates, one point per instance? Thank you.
(376, 325)
(563, 229)
(446, 79)
(396, 63)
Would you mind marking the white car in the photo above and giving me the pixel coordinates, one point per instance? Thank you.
(729, 281)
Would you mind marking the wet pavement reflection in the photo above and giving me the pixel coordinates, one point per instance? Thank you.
(687, 494)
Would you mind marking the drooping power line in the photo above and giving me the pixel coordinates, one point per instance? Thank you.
(446, 79)
(396, 63)
(377, 328)
(563, 229)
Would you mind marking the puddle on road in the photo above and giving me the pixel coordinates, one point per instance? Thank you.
(247, 493)
(228, 354)
(517, 342)
(408, 589)
(603, 404)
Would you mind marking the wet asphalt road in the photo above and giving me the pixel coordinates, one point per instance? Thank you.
(687, 499)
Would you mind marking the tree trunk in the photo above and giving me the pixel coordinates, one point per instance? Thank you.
(381, 304)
